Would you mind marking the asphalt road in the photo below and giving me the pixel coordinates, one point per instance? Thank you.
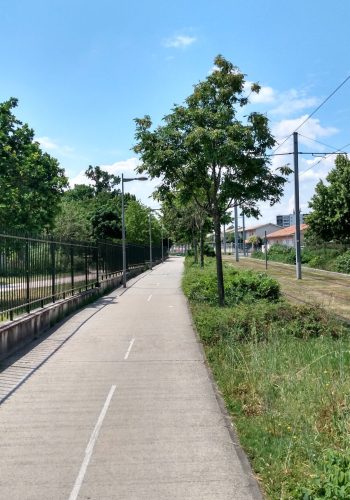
(117, 403)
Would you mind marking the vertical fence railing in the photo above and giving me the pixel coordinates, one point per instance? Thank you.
(38, 270)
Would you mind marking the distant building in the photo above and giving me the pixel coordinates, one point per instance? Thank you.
(258, 230)
(289, 220)
(286, 236)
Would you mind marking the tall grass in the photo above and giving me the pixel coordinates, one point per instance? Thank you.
(284, 372)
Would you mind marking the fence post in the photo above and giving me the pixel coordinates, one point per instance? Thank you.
(27, 274)
(86, 269)
(97, 262)
(72, 268)
(53, 270)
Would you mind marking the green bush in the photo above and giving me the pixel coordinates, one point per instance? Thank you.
(262, 319)
(281, 253)
(330, 259)
(342, 263)
(334, 483)
(200, 285)
(258, 254)
(208, 250)
(250, 285)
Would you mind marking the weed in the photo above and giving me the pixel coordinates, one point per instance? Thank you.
(284, 371)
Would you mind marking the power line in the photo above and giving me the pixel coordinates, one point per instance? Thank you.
(314, 111)
(318, 142)
(319, 161)
(323, 102)
(285, 140)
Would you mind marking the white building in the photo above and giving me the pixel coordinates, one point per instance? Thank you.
(286, 236)
(289, 219)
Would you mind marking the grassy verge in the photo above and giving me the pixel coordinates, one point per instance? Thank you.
(328, 259)
(284, 373)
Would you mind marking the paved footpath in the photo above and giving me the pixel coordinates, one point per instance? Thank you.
(117, 403)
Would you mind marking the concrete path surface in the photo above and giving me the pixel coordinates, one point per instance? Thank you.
(117, 403)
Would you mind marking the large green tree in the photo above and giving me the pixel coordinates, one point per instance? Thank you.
(186, 222)
(137, 218)
(31, 182)
(103, 181)
(330, 216)
(210, 149)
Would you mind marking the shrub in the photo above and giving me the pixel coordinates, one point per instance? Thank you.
(208, 250)
(342, 263)
(200, 285)
(248, 285)
(334, 483)
(282, 253)
(258, 254)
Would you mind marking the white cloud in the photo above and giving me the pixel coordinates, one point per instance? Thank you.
(142, 190)
(50, 145)
(312, 128)
(47, 143)
(179, 41)
(293, 101)
(266, 94)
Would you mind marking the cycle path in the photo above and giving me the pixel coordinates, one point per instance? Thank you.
(118, 403)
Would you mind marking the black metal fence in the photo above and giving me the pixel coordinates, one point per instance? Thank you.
(37, 270)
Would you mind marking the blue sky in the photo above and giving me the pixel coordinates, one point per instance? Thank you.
(82, 71)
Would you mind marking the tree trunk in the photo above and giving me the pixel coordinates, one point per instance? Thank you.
(195, 249)
(218, 256)
(201, 247)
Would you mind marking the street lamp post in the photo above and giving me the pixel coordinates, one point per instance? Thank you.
(130, 179)
(150, 236)
(150, 240)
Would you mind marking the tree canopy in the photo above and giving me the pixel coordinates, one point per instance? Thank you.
(137, 224)
(103, 181)
(212, 154)
(31, 182)
(330, 216)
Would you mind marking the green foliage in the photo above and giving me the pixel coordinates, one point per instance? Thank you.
(278, 253)
(240, 286)
(92, 212)
(73, 221)
(137, 224)
(342, 263)
(208, 250)
(106, 222)
(284, 371)
(212, 151)
(103, 181)
(258, 254)
(261, 319)
(330, 216)
(334, 482)
(255, 240)
(329, 259)
(31, 182)
(281, 253)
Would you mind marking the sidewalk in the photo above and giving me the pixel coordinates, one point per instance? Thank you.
(117, 404)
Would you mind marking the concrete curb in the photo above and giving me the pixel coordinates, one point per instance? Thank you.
(254, 487)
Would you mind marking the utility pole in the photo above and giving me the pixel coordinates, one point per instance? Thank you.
(123, 236)
(297, 209)
(150, 240)
(224, 239)
(243, 227)
(236, 233)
